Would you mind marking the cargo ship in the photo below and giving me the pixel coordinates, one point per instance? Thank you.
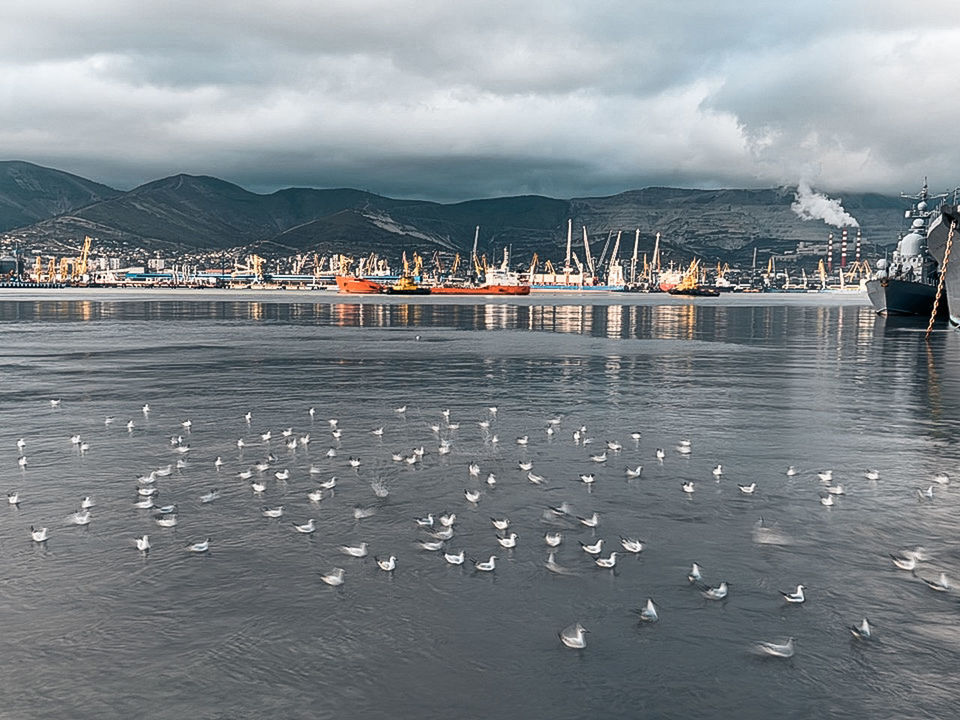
(358, 285)
(585, 278)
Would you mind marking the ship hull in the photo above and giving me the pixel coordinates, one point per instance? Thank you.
(937, 235)
(576, 288)
(358, 286)
(901, 297)
(482, 290)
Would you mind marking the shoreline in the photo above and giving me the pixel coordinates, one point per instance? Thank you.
(112, 295)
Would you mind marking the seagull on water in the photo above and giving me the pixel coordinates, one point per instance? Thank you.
(861, 631)
(424, 522)
(871, 475)
(329, 484)
(588, 479)
(258, 486)
(649, 612)
(747, 489)
(312, 412)
(21, 444)
(523, 440)
(282, 474)
(660, 454)
(510, 541)
(534, 478)
(454, 558)
(274, 512)
(573, 636)
(825, 476)
(306, 528)
(130, 426)
(835, 489)
(687, 487)
(81, 517)
(715, 593)
(145, 409)
(553, 539)
(590, 521)
(694, 575)
(925, 494)
(784, 650)
(593, 549)
(607, 562)
(143, 543)
(199, 547)
(473, 469)
(39, 535)
(357, 551)
(388, 565)
(941, 479)
(634, 472)
(87, 503)
(443, 534)
(791, 471)
(377, 431)
(430, 545)
(448, 519)
(333, 578)
(472, 495)
(13, 498)
(500, 523)
(796, 597)
(718, 471)
(525, 465)
(826, 500)
(601, 458)
(166, 520)
(22, 461)
(491, 479)
(361, 513)
(631, 544)
(315, 496)
(210, 496)
(941, 584)
(486, 566)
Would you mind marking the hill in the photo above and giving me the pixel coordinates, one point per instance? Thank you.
(30, 193)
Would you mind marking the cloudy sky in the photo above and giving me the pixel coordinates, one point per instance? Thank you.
(450, 99)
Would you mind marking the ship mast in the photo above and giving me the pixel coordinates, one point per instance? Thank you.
(633, 260)
(566, 266)
(587, 255)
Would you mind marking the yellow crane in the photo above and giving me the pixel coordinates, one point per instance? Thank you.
(64, 270)
(456, 264)
(80, 266)
(38, 268)
(533, 264)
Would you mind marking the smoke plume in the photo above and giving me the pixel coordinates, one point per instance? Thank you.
(810, 205)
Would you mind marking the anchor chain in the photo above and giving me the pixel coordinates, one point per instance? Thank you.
(943, 276)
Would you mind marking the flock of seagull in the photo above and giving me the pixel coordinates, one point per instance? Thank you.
(438, 529)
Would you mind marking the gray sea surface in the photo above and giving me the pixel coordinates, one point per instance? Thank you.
(93, 628)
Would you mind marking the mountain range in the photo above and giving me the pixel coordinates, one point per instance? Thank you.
(46, 210)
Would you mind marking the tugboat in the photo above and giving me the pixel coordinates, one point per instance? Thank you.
(406, 285)
(907, 284)
(690, 285)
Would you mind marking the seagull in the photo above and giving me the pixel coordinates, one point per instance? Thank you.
(607, 562)
(22, 461)
(209, 497)
(718, 471)
(492, 410)
(141, 492)
(187, 424)
(424, 522)
(145, 409)
(308, 527)
(590, 521)
(354, 462)
(534, 478)
(292, 444)
(443, 534)
(258, 487)
(796, 597)
(378, 432)
(588, 479)
(87, 503)
(871, 475)
(634, 472)
(337, 433)
(21, 444)
(649, 612)
(717, 593)
(315, 496)
(941, 584)
(474, 469)
(130, 426)
(472, 495)
(523, 440)
(687, 487)
(333, 422)
(601, 458)
(500, 523)
(775, 650)
(334, 578)
(312, 412)
(941, 479)
(218, 463)
(55, 403)
(747, 489)
(81, 517)
(199, 547)
(553, 539)
(614, 446)
(525, 465)
(144, 504)
(636, 436)
(684, 449)
(430, 545)
(454, 558)
(573, 636)
(272, 512)
(400, 410)
(825, 476)
(388, 565)
(491, 479)
(835, 489)
(487, 566)
(166, 520)
(448, 519)
(248, 416)
(861, 631)
(288, 432)
(266, 436)
(282, 474)
(826, 500)
(660, 454)
(791, 471)
(631, 544)
(13, 498)
(329, 484)
(241, 444)
(694, 574)
(357, 551)
(508, 542)
(925, 494)
(40, 535)
(593, 549)
(143, 543)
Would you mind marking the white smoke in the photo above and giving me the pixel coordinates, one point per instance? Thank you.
(810, 205)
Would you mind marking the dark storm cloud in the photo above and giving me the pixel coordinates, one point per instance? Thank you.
(453, 100)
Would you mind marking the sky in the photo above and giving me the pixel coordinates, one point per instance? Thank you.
(449, 100)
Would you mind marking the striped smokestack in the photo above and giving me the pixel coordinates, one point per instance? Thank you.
(859, 240)
(830, 252)
(843, 248)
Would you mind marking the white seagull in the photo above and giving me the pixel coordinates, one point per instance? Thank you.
(308, 527)
(357, 551)
(784, 650)
(40, 535)
(199, 547)
(649, 612)
(573, 636)
(334, 578)
(143, 543)
(486, 566)
(388, 565)
(861, 631)
(717, 593)
(796, 597)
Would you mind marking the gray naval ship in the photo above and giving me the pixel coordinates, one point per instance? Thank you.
(938, 239)
(907, 283)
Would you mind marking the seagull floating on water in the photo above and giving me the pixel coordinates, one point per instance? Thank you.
(716, 593)
(306, 528)
(388, 565)
(941, 584)
(649, 612)
(143, 543)
(784, 650)
(357, 551)
(486, 566)
(199, 547)
(500, 523)
(694, 575)
(509, 541)
(634, 472)
(796, 597)
(573, 636)
(593, 549)
(861, 631)
(39, 535)
(272, 512)
(607, 562)
(454, 558)
(872, 475)
(553, 539)
(748, 489)
(631, 544)
(333, 578)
